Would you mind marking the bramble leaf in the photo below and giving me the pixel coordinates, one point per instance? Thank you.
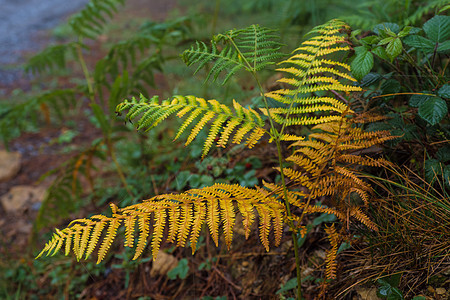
(438, 28)
(394, 48)
(444, 91)
(433, 110)
(363, 62)
(420, 43)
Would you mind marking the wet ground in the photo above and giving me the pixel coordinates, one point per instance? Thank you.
(22, 28)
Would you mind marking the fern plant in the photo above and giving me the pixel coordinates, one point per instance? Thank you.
(322, 166)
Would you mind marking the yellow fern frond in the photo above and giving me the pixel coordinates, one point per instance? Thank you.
(216, 205)
(224, 121)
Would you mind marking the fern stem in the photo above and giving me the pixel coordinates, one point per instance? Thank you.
(83, 65)
(107, 136)
(290, 223)
(112, 153)
(283, 183)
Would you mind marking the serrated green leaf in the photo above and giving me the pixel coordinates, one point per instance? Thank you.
(180, 271)
(433, 168)
(385, 41)
(444, 91)
(396, 294)
(433, 110)
(446, 175)
(388, 288)
(391, 86)
(417, 100)
(420, 43)
(370, 79)
(380, 52)
(438, 28)
(405, 31)
(362, 64)
(291, 284)
(444, 47)
(369, 40)
(394, 48)
(382, 28)
(415, 30)
(443, 154)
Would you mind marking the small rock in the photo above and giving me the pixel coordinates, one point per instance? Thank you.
(9, 165)
(321, 254)
(367, 293)
(164, 263)
(440, 291)
(21, 195)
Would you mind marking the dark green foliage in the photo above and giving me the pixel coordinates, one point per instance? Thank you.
(365, 14)
(73, 178)
(89, 22)
(388, 287)
(53, 57)
(26, 115)
(410, 86)
(253, 49)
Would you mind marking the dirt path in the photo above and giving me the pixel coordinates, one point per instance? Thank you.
(22, 21)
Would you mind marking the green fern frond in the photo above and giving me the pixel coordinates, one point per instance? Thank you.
(245, 120)
(216, 206)
(89, 22)
(253, 49)
(50, 58)
(120, 57)
(423, 9)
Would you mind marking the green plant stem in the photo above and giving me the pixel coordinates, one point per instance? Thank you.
(290, 223)
(106, 135)
(85, 70)
(283, 183)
